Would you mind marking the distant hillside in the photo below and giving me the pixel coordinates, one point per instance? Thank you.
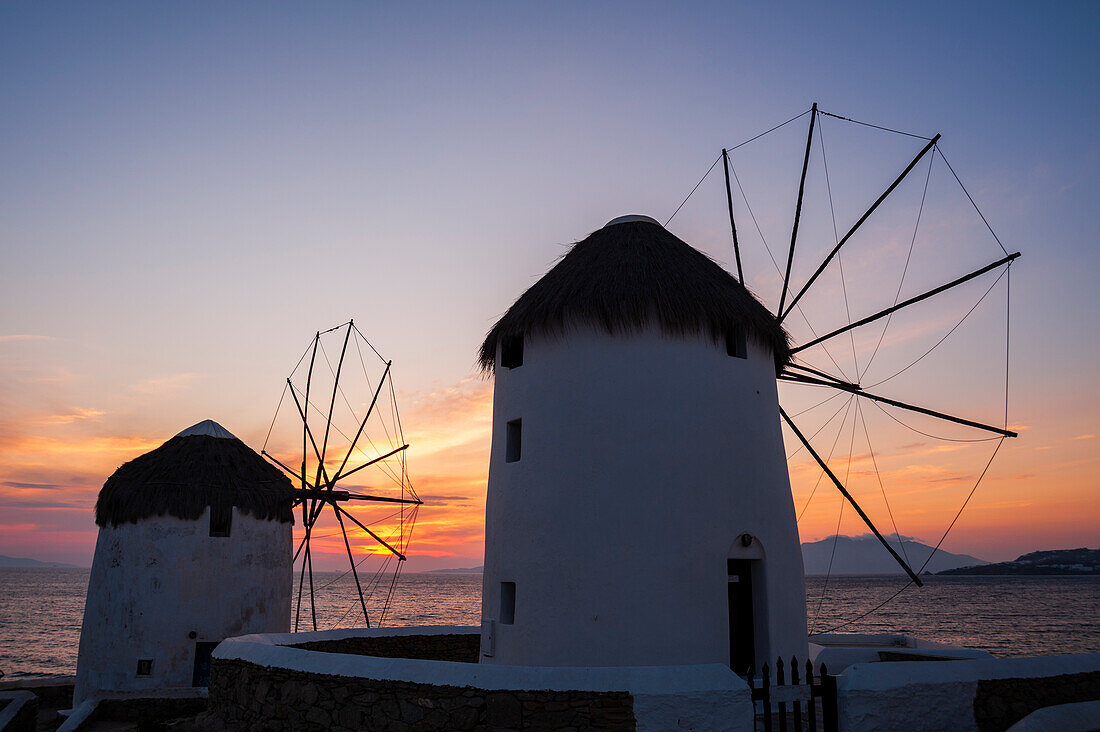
(865, 555)
(1059, 562)
(458, 570)
(25, 562)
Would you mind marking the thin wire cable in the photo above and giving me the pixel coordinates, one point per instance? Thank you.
(905, 269)
(972, 203)
(836, 240)
(941, 340)
(766, 132)
(355, 416)
(908, 584)
(926, 434)
(839, 519)
(832, 449)
(775, 264)
(802, 447)
(823, 401)
(729, 150)
(689, 195)
(274, 416)
(1008, 332)
(878, 477)
(967, 501)
(877, 127)
(383, 464)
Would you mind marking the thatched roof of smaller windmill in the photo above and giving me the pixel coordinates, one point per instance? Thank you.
(202, 466)
(631, 274)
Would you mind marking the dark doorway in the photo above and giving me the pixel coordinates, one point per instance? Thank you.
(742, 636)
(201, 676)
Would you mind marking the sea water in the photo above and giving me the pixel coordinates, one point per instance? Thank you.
(41, 611)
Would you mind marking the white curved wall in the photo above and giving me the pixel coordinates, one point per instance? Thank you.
(643, 459)
(154, 582)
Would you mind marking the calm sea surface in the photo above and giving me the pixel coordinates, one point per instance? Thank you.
(41, 609)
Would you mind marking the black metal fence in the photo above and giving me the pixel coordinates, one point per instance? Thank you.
(794, 705)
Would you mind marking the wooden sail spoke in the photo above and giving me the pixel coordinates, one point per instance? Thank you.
(383, 499)
(733, 225)
(374, 536)
(315, 486)
(844, 492)
(369, 463)
(363, 424)
(312, 598)
(821, 374)
(797, 209)
(907, 303)
(821, 268)
(800, 379)
(351, 560)
(308, 431)
(275, 460)
(335, 388)
(308, 522)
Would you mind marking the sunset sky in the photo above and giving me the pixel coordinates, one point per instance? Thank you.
(188, 191)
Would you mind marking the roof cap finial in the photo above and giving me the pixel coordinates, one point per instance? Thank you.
(208, 427)
(628, 218)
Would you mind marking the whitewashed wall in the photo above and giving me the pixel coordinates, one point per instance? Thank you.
(154, 582)
(935, 695)
(643, 459)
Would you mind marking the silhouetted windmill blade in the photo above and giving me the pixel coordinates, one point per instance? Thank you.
(855, 227)
(319, 480)
(840, 486)
(797, 210)
(907, 303)
(351, 561)
(804, 373)
(359, 432)
(851, 388)
(829, 377)
(332, 403)
(369, 463)
(375, 536)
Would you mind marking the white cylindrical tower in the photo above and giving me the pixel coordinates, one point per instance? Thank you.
(194, 546)
(639, 510)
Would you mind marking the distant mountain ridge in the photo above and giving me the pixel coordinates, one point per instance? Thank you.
(457, 570)
(865, 555)
(25, 562)
(1058, 562)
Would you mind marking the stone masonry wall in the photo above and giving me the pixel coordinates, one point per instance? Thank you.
(1000, 703)
(248, 696)
(444, 647)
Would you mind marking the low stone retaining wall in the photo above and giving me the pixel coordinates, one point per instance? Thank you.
(1001, 703)
(461, 647)
(362, 679)
(54, 692)
(281, 699)
(967, 696)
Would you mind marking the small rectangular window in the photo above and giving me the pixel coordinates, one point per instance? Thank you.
(735, 343)
(513, 440)
(507, 603)
(221, 520)
(145, 667)
(511, 351)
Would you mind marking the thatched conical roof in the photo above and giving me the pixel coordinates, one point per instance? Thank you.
(629, 275)
(202, 466)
